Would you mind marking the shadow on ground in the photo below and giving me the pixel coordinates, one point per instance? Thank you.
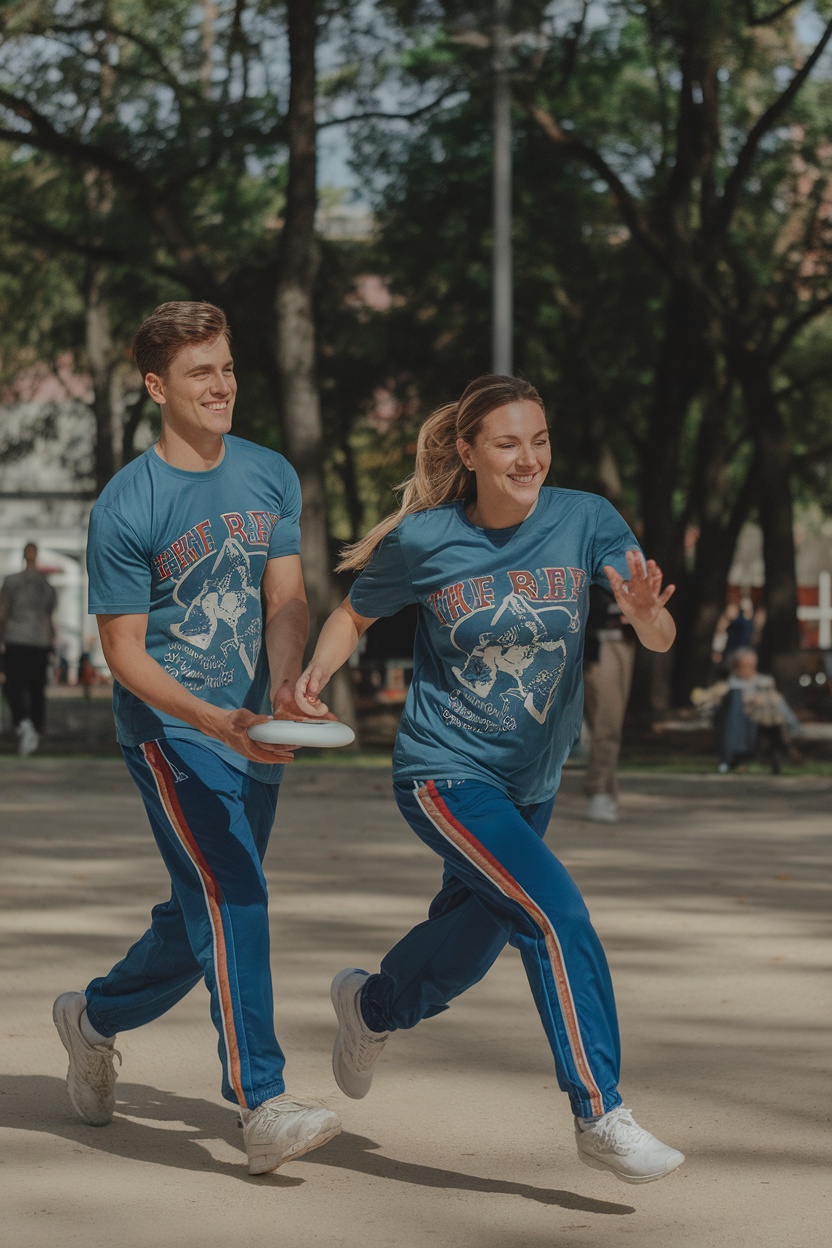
(169, 1124)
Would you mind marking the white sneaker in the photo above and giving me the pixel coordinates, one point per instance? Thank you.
(356, 1047)
(601, 808)
(617, 1143)
(283, 1128)
(28, 738)
(91, 1078)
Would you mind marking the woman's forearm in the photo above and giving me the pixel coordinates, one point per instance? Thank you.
(658, 635)
(339, 637)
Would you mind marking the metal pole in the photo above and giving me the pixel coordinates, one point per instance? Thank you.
(502, 309)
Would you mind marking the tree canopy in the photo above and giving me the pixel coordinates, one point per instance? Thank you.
(672, 216)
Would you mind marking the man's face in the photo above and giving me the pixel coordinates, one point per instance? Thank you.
(198, 390)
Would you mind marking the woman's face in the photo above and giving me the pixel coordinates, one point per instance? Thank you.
(510, 456)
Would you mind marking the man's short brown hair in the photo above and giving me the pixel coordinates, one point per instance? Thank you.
(172, 326)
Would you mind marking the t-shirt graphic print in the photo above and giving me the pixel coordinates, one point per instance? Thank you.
(222, 618)
(510, 658)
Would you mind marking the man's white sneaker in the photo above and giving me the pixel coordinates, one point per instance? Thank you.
(602, 808)
(28, 738)
(617, 1143)
(91, 1077)
(283, 1128)
(356, 1046)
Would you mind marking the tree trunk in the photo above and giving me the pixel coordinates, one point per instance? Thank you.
(99, 352)
(772, 467)
(719, 517)
(678, 377)
(704, 595)
(295, 347)
(101, 355)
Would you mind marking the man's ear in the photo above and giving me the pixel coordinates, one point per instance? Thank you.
(155, 387)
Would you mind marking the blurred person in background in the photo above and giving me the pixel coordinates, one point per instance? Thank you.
(609, 658)
(749, 715)
(738, 628)
(27, 604)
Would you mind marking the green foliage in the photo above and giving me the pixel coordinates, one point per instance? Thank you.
(150, 145)
(146, 140)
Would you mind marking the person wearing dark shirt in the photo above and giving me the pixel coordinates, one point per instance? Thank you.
(27, 602)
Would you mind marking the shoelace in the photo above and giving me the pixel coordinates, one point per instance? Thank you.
(105, 1069)
(620, 1131)
(367, 1045)
(293, 1107)
(285, 1106)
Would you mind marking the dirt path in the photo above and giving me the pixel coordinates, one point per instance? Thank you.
(713, 900)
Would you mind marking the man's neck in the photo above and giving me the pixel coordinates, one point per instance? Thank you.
(199, 456)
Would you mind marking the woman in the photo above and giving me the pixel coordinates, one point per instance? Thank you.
(748, 714)
(501, 570)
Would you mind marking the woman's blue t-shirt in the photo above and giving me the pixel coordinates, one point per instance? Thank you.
(497, 690)
(189, 550)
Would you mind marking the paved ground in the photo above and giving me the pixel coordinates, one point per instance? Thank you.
(712, 897)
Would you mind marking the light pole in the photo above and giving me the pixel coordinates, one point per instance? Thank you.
(502, 285)
(500, 43)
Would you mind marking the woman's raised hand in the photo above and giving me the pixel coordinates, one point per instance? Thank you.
(641, 598)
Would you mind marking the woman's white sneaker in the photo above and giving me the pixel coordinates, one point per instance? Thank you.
(617, 1144)
(356, 1048)
(284, 1128)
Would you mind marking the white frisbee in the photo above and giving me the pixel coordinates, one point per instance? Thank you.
(323, 733)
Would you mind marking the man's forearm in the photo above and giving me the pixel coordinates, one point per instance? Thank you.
(286, 634)
(134, 669)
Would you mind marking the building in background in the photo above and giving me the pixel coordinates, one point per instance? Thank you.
(46, 493)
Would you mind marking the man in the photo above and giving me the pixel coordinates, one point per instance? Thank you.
(27, 602)
(609, 659)
(185, 544)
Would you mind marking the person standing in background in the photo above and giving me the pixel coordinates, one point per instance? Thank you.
(27, 603)
(609, 657)
(739, 627)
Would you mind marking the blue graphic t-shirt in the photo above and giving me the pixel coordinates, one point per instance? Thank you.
(497, 691)
(189, 549)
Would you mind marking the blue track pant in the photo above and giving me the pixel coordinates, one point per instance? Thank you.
(212, 825)
(502, 883)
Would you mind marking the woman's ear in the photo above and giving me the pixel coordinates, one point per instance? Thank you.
(464, 452)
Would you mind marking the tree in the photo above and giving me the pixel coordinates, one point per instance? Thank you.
(666, 132)
(177, 138)
(698, 218)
